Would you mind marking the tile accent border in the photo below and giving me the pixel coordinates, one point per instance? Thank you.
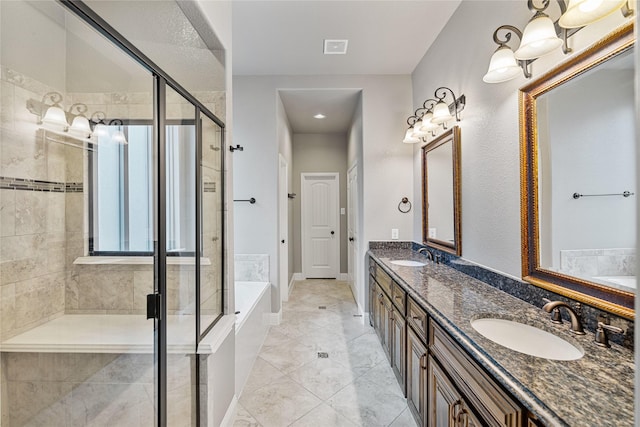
(8, 183)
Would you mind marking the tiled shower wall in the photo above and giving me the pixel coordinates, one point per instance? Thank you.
(42, 221)
(32, 211)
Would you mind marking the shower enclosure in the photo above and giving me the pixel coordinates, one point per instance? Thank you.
(111, 212)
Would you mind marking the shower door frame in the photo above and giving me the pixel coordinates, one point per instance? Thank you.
(161, 81)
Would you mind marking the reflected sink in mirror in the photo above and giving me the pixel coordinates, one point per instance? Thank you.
(408, 263)
(526, 339)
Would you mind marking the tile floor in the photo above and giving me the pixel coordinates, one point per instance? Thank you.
(290, 385)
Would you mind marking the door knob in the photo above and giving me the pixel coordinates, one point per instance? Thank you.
(351, 239)
(282, 241)
(333, 232)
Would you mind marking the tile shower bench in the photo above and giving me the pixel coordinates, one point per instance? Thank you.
(92, 369)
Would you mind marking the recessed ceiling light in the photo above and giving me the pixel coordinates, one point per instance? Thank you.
(335, 47)
(319, 116)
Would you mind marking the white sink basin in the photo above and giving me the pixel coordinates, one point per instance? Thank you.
(526, 339)
(408, 263)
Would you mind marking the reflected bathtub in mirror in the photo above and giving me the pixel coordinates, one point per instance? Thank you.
(578, 176)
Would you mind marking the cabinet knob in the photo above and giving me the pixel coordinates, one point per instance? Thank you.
(398, 296)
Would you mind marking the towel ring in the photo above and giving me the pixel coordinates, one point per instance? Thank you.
(404, 201)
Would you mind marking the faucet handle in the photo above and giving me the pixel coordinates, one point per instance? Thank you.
(602, 339)
(556, 317)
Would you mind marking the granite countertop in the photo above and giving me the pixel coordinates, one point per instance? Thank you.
(596, 390)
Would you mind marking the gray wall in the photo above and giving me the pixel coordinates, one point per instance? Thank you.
(385, 103)
(489, 126)
(319, 153)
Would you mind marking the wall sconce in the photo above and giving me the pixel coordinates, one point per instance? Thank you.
(50, 113)
(539, 37)
(80, 127)
(542, 36)
(433, 114)
(504, 65)
(53, 118)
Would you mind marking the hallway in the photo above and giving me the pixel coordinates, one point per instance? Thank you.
(322, 367)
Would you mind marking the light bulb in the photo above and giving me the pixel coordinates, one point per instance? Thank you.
(441, 113)
(584, 12)
(80, 127)
(502, 66)
(55, 118)
(539, 38)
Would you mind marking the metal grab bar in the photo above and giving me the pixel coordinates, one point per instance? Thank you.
(623, 194)
(251, 200)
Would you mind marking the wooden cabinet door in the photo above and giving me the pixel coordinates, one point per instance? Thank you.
(386, 325)
(398, 348)
(417, 377)
(447, 406)
(377, 312)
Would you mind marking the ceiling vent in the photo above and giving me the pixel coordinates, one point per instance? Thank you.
(335, 47)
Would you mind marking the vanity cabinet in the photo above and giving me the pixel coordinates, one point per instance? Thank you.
(493, 406)
(388, 320)
(444, 386)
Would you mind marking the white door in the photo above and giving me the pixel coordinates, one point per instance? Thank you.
(283, 219)
(320, 225)
(352, 227)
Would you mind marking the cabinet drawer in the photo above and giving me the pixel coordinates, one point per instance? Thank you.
(399, 297)
(384, 280)
(490, 401)
(417, 318)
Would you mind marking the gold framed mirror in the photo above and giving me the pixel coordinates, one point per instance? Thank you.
(441, 211)
(577, 168)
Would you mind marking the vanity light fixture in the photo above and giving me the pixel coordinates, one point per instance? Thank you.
(80, 127)
(539, 37)
(504, 65)
(118, 137)
(584, 12)
(542, 36)
(433, 114)
(50, 113)
(52, 118)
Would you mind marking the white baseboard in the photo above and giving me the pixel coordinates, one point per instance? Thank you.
(298, 276)
(343, 277)
(230, 415)
(275, 318)
(291, 285)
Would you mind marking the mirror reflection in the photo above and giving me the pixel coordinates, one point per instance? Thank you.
(441, 186)
(586, 176)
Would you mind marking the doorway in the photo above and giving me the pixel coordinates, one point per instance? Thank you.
(283, 228)
(320, 229)
(352, 228)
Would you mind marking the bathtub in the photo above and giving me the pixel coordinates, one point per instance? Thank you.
(253, 302)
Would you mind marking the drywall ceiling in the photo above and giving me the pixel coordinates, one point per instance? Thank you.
(286, 37)
(337, 105)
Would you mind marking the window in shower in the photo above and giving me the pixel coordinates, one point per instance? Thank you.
(121, 219)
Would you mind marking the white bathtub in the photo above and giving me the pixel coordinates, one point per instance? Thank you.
(253, 301)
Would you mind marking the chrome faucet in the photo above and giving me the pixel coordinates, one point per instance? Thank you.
(427, 253)
(576, 322)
